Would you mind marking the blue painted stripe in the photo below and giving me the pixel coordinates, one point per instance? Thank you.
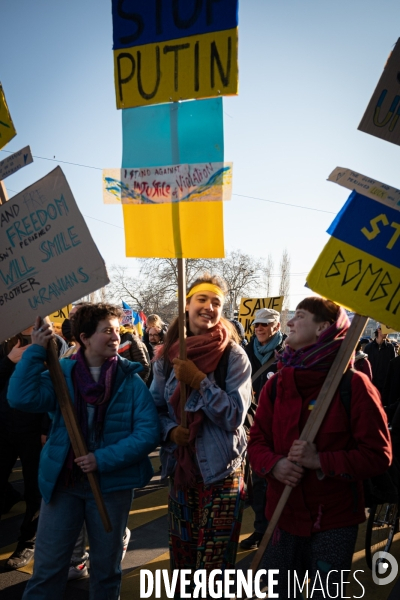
(147, 133)
(138, 22)
(358, 214)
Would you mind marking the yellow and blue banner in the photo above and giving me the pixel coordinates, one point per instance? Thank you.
(360, 265)
(157, 136)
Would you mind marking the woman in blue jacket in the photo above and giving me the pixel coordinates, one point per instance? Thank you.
(119, 423)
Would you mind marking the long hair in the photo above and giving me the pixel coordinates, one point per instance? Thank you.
(173, 330)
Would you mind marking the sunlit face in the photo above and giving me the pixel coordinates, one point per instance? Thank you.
(265, 331)
(304, 331)
(154, 336)
(205, 310)
(103, 343)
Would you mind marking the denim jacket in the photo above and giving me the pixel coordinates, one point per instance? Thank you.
(221, 441)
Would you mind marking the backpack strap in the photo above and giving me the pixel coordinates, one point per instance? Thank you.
(221, 370)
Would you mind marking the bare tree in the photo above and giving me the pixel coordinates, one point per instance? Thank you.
(242, 274)
(284, 286)
(269, 267)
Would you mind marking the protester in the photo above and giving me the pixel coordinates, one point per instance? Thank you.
(391, 389)
(361, 362)
(205, 459)
(380, 352)
(240, 331)
(133, 349)
(318, 527)
(265, 343)
(80, 557)
(20, 436)
(120, 427)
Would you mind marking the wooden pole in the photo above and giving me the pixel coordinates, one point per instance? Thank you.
(72, 425)
(313, 424)
(182, 328)
(3, 193)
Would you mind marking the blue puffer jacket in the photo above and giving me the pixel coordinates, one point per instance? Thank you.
(130, 431)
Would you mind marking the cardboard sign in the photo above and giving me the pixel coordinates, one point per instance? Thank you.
(360, 265)
(202, 66)
(15, 162)
(381, 118)
(366, 186)
(206, 182)
(249, 306)
(7, 129)
(60, 315)
(171, 51)
(127, 319)
(47, 256)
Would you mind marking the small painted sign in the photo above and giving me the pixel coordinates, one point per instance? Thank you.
(249, 306)
(205, 182)
(366, 186)
(15, 162)
(381, 117)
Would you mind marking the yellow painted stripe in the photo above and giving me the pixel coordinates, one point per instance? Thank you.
(206, 66)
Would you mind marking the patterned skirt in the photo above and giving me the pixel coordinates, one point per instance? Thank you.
(204, 524)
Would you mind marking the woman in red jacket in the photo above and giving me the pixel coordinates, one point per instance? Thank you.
(317, 530)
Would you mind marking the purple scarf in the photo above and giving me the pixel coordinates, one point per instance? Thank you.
(89, 391)
(319, 356)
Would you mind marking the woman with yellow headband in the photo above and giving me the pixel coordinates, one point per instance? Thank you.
(205, 459)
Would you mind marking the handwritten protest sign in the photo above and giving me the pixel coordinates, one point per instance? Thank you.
(175, 183)
(366, 186)
(382, 114)
(173, 52)
(360, 265)
(15, 162)
(7, 129)
(47, 256)
(249, 306)
(60, 315)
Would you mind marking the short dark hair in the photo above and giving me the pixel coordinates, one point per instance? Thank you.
(322, 309)
(88, 316)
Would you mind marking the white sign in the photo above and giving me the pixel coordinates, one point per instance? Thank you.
(367, 186)
(202, 182)
(47, 256)
(15, 162)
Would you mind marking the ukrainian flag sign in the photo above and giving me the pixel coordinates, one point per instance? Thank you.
(360, 265)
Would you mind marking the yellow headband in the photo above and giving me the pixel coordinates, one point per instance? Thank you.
(205, 287)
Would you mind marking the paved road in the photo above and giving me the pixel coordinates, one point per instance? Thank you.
(148, 548)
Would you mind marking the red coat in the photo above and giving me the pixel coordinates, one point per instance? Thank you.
(350, 450)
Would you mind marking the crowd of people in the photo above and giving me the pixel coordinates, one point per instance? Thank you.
(227, 419)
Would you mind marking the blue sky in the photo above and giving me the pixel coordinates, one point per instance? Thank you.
(307, 72)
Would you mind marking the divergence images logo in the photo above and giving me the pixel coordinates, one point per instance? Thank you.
(380, 564)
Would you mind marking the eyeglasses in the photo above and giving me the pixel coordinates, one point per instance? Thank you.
(261, 325)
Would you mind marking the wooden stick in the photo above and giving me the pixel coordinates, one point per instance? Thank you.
(313, 424)
(182, 328)
(3, 193)
(72, 425)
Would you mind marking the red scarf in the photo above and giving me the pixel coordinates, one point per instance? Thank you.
(205, 351)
